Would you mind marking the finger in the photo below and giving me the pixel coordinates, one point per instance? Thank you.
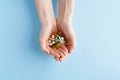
(60, 53)
(64, 48)
(63, 51)
(71, 45)
(63, 58)
(56, 58)
(55, 54)
(68, 47)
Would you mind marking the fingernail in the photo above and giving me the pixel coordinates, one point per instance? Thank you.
(60, 60)
(57, 59)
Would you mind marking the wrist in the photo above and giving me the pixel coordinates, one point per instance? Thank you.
(50, 23)
(63, 22)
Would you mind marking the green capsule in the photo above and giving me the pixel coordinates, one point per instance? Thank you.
(56, 38)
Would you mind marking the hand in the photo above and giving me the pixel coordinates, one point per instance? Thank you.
(46, 31)
(67, 29)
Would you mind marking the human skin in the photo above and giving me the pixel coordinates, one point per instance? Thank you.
(50, 25)
(48, 21)
(64, 22)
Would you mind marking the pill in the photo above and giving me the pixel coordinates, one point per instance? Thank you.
(53, 36)
(53, 42)
(49, 41)
(50, 44)
(62, 38)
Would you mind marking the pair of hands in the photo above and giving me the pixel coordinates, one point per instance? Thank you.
(57, 25)
(62, 24)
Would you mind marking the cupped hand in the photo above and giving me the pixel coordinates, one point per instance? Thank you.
(68, 30)
(45, 33)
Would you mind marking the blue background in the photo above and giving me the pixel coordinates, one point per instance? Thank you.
(96, 56)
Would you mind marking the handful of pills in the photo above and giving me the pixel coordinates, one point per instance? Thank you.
(56, 40)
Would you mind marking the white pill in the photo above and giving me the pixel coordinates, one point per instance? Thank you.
(53, 36)
(49, 41)
(59, 37)
(53, 42)
(62, 38)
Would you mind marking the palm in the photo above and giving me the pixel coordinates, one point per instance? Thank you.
(69, 34)
(58, 54)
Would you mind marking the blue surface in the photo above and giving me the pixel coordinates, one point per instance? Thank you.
(96, 57)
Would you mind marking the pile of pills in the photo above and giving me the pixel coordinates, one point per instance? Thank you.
(56, 40)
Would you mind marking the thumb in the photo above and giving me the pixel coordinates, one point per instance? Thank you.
(70, 45)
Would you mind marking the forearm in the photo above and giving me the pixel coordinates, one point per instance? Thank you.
(66, 10)
(45, 12)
